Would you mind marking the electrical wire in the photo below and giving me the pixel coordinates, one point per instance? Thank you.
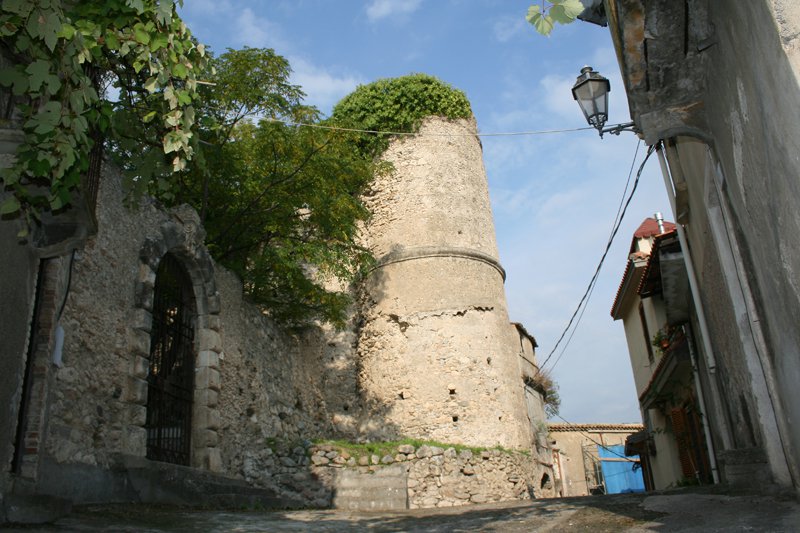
(613, 225)
(590, 287)
(495, 134)
(609, 450)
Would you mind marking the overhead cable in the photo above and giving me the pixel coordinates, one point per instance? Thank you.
(377, 132)
(590, 287)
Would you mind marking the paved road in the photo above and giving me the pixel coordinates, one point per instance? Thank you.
(666, 512)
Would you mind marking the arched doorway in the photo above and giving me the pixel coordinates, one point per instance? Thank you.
(170, 380)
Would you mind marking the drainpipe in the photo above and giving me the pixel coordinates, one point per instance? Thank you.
(712, 456)
(705, 337)
(711, 360)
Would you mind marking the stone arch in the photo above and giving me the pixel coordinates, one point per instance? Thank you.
(182, 236)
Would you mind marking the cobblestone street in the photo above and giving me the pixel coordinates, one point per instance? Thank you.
(678, 511)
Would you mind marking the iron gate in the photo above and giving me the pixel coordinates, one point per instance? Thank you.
(171, 377)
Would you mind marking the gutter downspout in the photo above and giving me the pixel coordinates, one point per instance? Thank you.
(712, 455)
(711, 361)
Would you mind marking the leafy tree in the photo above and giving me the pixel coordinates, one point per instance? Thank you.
(544, 16)
(281, 204)
(60, 53)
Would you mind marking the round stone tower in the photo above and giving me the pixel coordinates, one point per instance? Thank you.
(438, 357)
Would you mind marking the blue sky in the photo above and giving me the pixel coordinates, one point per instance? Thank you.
(554, 197)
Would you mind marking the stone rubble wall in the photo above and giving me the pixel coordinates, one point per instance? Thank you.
(435, 476)
(265, 384)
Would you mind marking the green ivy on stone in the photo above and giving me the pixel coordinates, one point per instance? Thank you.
(397, 105)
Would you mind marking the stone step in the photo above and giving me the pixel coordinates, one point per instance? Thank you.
(32, 509)
(179, 485)
(384, 490)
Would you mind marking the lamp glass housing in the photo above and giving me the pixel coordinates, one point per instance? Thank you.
(591, 92)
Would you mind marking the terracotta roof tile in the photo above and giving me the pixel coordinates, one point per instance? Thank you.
(649, 228)
(595, 427)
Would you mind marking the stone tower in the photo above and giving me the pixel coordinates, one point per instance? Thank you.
(438, 357)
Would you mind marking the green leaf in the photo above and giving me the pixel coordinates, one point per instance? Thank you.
(138, 5)
(112, 41)
(573, 7)
(140, 34)
(180, 71)
(151, 84)
(149, 116)
(67, 31)
(565, 11)
(542, 23)
(47, 118)
(164, 12)
(159, 41)
(13, 77)
(50, 29)
(19, 7)
(38, 74)
(533, 11)
(10, 205)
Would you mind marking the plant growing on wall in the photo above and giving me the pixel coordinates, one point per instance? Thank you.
(544, 383)
(397, 105)
(60, 54)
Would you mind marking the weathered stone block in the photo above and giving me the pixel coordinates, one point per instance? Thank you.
(136, 391)
(139, 342)
(208, 358)
(208, 459)
(205, 438)
(134, 441)
(207, 378)
(137, 414)
(206, 397)
(141, 319)
(141, 367)
(208, 339)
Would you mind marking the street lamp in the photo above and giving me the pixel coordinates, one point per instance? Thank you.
(591, 92)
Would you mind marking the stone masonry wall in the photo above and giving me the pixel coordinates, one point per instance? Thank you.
(254, 383)
(434, 476)
(429, 354)
(437, 357)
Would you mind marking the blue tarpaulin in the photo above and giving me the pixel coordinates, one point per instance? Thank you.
(619, 475)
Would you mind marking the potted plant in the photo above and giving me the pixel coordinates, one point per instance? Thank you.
(661, 339)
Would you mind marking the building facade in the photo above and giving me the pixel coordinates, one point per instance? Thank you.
(657, 312)
(714, 86)
(584, 455)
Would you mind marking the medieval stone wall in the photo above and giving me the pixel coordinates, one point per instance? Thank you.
(429, 353)
(254, 383)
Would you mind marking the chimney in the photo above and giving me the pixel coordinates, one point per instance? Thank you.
(660, 219)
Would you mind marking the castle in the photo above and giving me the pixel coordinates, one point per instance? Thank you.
(144, 354)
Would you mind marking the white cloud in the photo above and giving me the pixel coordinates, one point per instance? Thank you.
(322, 87)
(259, 32)
(506, 28)
(379, 9)
(558, 96)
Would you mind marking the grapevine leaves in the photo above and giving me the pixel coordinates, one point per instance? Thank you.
(544, 17)
(59, 44)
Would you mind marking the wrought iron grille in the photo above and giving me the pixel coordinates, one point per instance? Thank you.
(171, 377)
